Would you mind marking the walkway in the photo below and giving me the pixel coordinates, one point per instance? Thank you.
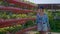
(34, 32)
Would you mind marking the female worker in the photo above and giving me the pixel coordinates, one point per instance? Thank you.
(42, 20)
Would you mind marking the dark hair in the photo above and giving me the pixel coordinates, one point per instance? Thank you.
(40, 7)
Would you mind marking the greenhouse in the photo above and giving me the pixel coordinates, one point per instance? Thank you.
(19, 16)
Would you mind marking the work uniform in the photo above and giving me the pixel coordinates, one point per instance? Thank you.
(42, 22)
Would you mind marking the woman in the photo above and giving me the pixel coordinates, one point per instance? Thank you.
(42, 21)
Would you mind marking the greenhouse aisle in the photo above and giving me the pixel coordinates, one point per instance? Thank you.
(35, 32)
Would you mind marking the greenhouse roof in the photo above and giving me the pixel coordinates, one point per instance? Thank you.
(45, 1)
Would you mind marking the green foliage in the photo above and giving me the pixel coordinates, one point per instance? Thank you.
(7, 15)
(10, 29)
(55, 24)
(28, 24)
